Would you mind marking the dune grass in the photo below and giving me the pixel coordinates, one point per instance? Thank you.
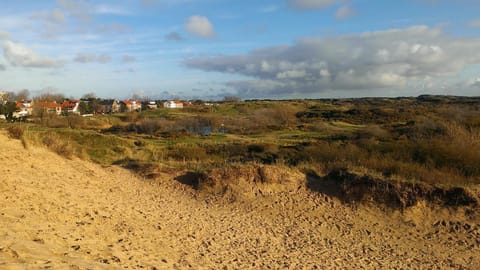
(414, 140)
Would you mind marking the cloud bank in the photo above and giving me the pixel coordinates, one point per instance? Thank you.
(373, 60)
(19, 55)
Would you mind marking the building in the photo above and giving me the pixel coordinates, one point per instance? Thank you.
(24, 108)
(151, 105)
(49, 107)
(3, 97)
(173, 104)
(130, 106)
(109, 106)
(71, 106)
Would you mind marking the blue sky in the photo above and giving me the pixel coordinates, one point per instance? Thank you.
(252, 49)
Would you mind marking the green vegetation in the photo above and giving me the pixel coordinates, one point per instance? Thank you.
(435, 140)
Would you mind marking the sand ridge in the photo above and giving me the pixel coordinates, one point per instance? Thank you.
(72, 214)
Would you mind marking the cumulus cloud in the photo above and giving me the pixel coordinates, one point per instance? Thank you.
(475, 83)
(311, 4)
(200, 26)
(174, 36)
(19, 55)
(92, 58)
(344, 12)
(374, 60)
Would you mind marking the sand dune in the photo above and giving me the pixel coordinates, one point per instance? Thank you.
(73, 214)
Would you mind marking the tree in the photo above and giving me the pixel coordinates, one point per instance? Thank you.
(231, 98)
(8, 109)
(93, 102)
(23, 95)
(84, 108)
(137, 97)
(51, 97)
(89, 96)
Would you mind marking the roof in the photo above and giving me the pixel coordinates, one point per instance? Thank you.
(69, 104)
(46, 104)
(175, 102)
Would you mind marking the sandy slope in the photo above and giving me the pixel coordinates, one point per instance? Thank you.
(72, 214)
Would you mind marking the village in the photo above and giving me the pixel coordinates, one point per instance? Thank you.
(13, 107)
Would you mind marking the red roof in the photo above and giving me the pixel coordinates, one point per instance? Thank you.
(131, 102)
(69, 104)
(46, 104)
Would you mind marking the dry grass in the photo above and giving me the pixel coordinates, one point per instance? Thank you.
(15, 132)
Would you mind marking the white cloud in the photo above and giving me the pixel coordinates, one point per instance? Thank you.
(374, 60)
(19, 55)
(476, 83)
(344, 12)
(92, 58)
(311, 4)
(200, 26)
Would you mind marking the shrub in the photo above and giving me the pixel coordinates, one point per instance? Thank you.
(15, 132)
(75, 121)
(188, 153)
(61, 148)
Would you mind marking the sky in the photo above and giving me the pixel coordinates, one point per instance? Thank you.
(263, 49)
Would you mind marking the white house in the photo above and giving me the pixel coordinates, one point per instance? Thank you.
(71, 106)
(152, 105)
(24, 108)
(173, 104)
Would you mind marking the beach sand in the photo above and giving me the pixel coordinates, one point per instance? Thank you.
(57, 213)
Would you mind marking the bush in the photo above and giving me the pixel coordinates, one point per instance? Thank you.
(15, 132)
(61, 148)
(75, 121)
(188, 153)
